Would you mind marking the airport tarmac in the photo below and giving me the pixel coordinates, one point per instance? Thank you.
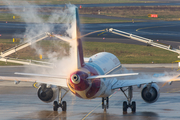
(20, 102)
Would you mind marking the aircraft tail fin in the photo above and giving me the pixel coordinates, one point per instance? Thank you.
(79, 50)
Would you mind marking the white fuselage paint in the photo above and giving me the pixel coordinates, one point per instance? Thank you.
(105, 63)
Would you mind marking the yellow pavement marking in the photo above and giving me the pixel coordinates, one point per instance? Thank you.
(97, 107)
(35, 85)
(148, 27)
(91, 112)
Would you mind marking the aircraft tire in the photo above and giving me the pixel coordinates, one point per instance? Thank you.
(125, 106)
(102, 103)
(55, 106)
(107, 102)
(133, 107)
(64, 106)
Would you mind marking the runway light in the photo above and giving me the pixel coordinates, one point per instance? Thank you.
(0, 34)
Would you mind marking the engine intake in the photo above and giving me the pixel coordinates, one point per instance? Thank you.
(150, 93)
(47, 94)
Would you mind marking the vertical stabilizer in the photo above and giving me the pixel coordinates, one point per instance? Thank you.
(79, 50)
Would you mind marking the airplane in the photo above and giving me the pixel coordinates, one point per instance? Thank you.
(92, 77)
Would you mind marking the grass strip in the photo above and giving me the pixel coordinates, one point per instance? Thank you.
(99, 20)
(130, 53)
(126, 53)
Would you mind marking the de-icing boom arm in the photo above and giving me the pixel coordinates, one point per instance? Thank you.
(142, 39)
(24, 45)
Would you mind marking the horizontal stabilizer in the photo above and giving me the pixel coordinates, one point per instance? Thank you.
(50, 81)
(41, 75)
(110, 76)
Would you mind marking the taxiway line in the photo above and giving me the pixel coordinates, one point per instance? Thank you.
(138, 30)
(154, 27)
(49, 116)
(91, 111)
(97, 106)
(57, 116)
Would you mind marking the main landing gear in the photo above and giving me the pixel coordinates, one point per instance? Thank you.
(105, 106)
(127, 104)
(60, 103)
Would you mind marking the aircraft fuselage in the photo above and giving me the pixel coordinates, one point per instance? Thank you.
(99, 64)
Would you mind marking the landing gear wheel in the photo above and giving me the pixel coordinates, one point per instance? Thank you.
(102, 103)
(107, 102)
(133, 107)
(125, 106)
(64, 106)
(55, 106)
(129, 98)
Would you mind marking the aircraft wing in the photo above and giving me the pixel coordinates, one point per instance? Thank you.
(53, 81)
(136, 82)
(176, 78)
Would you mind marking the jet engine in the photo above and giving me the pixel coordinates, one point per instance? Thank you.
(150, 93)
(47, 93)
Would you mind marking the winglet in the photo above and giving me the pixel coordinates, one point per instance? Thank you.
(176, 78)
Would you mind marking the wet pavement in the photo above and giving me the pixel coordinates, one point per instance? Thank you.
(20, 102)
(18, 105)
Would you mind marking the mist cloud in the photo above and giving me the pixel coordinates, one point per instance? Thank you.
(30, 15)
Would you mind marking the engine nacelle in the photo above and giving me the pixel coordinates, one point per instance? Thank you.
(47, 93)
(150, 93)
